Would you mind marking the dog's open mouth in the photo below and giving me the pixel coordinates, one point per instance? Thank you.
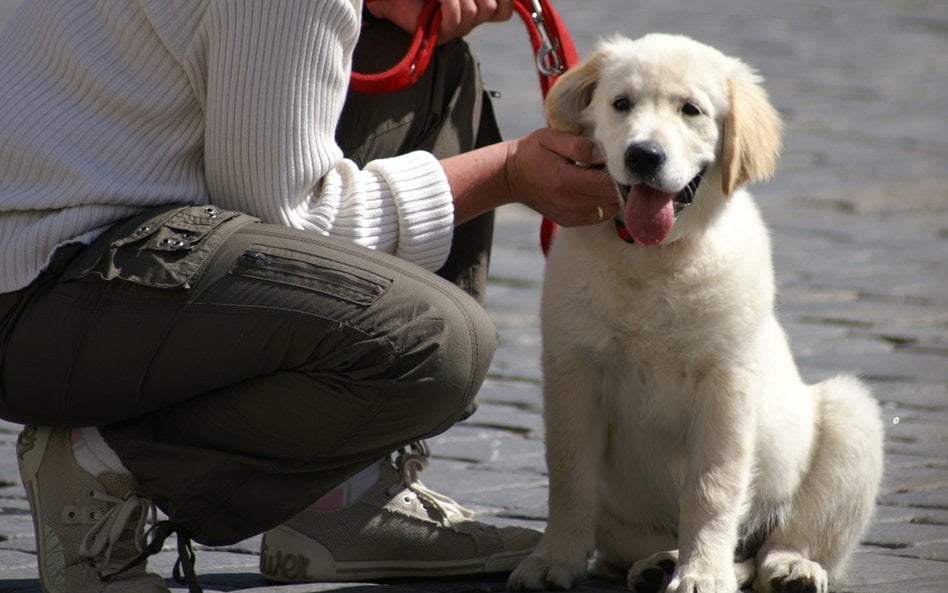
(650, 213)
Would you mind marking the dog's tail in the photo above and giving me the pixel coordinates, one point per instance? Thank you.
(846, 470)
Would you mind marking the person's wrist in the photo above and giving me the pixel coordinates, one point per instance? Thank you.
(511, 172)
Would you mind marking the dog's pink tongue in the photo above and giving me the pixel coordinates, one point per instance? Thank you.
(649, 214)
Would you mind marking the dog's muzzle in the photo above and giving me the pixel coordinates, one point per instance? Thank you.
(685, 197)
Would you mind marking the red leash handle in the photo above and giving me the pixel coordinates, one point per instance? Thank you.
(552, 46)
(551, 43)
(416, 59)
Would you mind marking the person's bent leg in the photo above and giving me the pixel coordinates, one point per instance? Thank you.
(357, 354)
(291, 363)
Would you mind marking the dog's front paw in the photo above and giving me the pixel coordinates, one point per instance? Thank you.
(540, 571)
(652, 574)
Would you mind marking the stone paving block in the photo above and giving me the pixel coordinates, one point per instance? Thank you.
(475, 484)
(497, 453)
(898, 398)
(911, 426)
(519, 335)
(870, 572)
(923, 450)
(526, 501)
(914, 479)
(902, 536)
(515, 366)
(523, 393)
(937, 551)
(930, 516)
(11, 559)
(873, 311)
(522, 264)
(927, 499)
(506, 418)
(518, 309)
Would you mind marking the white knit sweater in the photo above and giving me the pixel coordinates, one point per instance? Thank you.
(108, 107)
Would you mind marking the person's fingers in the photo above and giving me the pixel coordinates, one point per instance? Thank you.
(459, 17)
(577, 149)
(456, 16)
(573, 195)
(503, 11)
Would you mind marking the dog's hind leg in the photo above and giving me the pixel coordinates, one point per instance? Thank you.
(652, 574)
(835, 501)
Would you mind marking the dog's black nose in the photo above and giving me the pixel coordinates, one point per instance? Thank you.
(644, 159)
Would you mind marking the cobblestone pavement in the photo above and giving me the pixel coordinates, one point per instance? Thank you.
(860, 222)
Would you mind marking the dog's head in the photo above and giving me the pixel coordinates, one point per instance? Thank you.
(679, 123)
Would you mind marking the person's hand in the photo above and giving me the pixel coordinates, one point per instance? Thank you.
(458, 17)
(561, 176)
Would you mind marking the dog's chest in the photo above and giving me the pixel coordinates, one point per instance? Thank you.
(651, 332)
(649, 360)
(658, 323)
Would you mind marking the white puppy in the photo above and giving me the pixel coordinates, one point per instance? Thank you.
(683, 448)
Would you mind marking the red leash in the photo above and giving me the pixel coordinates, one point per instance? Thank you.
(416, 59)
(552, 46)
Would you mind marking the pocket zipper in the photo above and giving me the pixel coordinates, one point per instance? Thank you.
(257, 258)
(317, 273)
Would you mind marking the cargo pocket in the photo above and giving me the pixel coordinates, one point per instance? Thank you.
(165, 248)
(311, 272)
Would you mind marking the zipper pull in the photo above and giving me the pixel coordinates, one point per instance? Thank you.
(257, 258)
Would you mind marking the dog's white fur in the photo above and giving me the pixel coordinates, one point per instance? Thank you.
(676, 420)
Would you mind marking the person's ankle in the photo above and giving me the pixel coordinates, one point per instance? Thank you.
(343, 495)
(93, 454)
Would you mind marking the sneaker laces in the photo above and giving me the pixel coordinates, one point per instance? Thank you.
(410, 463)
(108, 534)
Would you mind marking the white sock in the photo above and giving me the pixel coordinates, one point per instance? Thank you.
(349, 491)
(93, 454)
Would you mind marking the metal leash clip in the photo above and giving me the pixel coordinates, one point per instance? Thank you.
(548, 57)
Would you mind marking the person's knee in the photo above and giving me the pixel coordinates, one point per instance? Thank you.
(449, 365)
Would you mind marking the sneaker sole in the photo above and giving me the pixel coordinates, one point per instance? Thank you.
(288, 556)
(48, 549)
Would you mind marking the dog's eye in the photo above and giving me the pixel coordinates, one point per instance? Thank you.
(690, 109)
(622, 104)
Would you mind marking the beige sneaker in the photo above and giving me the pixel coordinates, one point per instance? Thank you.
(398, 528)
(87, 527)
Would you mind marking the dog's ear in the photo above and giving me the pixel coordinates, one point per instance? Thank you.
(751, 134)
(571, 94)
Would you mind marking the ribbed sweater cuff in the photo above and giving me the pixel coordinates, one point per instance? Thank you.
(425, 207)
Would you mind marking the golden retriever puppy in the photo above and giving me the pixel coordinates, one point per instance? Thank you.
(683, 448)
